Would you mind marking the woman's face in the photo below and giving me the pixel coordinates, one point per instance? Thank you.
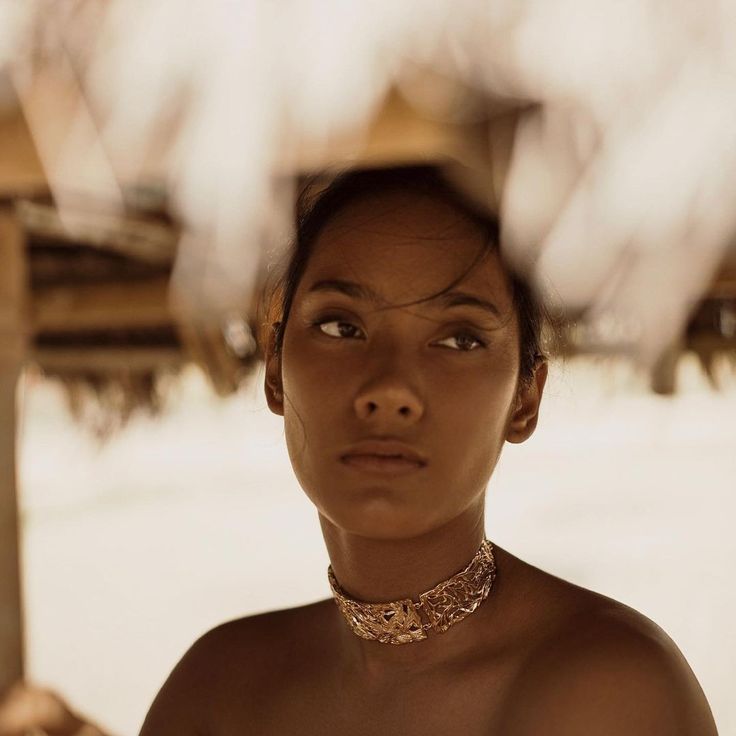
(440, 377)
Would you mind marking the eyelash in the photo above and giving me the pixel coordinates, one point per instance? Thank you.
(340, 320)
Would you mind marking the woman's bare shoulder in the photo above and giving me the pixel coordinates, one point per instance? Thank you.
(600, 667)
(262, 629)
(233, 663)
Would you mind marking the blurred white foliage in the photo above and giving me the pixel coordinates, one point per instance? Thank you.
(621, 181)
(16, 24)
(635, 147)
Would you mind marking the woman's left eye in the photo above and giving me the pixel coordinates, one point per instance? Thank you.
(336, 327)
(464, 341)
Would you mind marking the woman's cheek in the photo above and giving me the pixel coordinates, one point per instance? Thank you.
(479, 403)
(316, 389)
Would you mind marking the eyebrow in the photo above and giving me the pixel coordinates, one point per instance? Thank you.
(460, 298)
(360, 291)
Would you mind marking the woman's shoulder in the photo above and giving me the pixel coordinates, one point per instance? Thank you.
(234, 663)
(263, 628)
(260, 642)
(598, 666)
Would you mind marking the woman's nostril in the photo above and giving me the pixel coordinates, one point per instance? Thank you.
(388, 402)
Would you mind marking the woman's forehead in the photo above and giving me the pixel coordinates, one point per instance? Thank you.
(404, 212)
(407, 245)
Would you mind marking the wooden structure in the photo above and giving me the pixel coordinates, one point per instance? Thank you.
(710, 334)
(12, 354)
(88, 302)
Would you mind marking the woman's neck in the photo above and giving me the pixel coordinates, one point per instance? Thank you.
(381, 570)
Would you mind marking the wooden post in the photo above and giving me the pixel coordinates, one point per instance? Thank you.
(12, 350)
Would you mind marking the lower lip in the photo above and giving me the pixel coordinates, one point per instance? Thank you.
(382, 465)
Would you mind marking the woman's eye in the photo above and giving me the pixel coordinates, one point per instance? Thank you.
(463, 341)
(337, 327)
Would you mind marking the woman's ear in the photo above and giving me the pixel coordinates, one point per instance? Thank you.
(523, 420)
(273, 386)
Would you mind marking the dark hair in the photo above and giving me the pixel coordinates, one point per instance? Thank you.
(315, 210)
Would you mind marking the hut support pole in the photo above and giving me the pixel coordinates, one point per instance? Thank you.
(12, 351)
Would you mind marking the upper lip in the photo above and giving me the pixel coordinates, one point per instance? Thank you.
(386, 448)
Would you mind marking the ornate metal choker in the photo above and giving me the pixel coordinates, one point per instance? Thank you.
(400, 622)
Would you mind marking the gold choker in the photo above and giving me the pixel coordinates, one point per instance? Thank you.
(399, 622)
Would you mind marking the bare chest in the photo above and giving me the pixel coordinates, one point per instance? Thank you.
(470, 705)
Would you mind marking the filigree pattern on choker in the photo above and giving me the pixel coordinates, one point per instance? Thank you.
(400, 622)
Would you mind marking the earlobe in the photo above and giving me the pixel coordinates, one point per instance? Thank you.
(273, 385)
(524, 418)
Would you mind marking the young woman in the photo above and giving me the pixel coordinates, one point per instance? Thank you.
(402, 357)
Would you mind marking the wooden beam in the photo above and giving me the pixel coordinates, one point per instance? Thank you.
(106, 306)
(12, 352)
(21, 172)
(106, 360)
(144, 240)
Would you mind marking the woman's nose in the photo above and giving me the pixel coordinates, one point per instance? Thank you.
(389, 401)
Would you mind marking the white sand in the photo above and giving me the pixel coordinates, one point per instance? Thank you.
(134, 550)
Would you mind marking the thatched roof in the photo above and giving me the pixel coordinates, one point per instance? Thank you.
(103, 325)
(101, 319)
(100, 315)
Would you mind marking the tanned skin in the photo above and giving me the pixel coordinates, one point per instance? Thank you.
(540, 657)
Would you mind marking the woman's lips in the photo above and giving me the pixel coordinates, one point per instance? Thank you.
(382, 464)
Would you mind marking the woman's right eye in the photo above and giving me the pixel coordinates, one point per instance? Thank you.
(335, 327)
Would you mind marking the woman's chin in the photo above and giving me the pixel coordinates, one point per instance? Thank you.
(382, 517)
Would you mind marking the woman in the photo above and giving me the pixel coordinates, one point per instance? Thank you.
(403, 357)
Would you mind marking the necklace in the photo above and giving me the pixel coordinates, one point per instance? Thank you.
(399, 622)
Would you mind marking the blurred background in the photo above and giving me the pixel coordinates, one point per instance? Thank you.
(149, 160)
(134, 549)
